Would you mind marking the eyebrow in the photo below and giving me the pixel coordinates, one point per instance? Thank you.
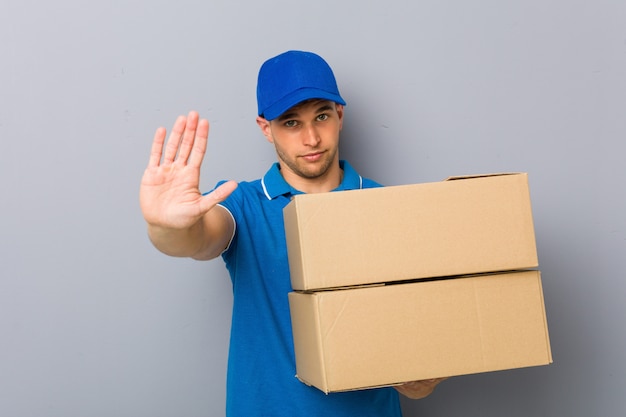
(324, 106)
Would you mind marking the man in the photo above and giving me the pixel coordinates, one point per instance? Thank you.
(300, 111)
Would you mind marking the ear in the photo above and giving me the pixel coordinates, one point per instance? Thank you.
(265, 127)
(339, 108)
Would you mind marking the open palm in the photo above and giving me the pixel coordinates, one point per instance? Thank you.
(169, 194)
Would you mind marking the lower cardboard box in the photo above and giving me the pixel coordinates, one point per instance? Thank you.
(358, 338)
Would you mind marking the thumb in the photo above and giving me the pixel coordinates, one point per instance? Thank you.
(218, 195)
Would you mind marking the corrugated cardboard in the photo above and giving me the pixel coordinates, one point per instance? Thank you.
(383, 335)
(465, 226)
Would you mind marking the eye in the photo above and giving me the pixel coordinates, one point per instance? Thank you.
(322, 117)
(290, 123)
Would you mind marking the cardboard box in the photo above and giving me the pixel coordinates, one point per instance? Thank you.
(384, 335)
(459, 226)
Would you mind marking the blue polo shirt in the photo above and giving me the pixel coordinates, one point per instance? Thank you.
(261, 365)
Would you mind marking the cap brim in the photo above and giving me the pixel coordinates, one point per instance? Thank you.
(297, 97)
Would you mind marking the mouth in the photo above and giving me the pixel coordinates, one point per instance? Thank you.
(313, 156)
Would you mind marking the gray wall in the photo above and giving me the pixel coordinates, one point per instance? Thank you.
(94, 322)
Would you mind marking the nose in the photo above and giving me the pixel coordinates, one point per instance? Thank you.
(311, 136)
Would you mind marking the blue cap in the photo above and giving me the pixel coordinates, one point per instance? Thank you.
(291, 78)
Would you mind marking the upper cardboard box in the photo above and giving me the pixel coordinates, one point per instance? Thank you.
(459, 226)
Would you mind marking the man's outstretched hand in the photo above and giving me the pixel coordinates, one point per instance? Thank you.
(169, 195)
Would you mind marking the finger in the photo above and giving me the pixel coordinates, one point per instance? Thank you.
(157, 148)
(173, 142)
(199, 144)
(189, 136)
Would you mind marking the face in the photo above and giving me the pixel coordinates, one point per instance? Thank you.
(306, 138)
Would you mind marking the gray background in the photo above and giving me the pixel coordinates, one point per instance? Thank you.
(95, 322)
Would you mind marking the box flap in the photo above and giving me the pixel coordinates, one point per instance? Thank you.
(467, 177)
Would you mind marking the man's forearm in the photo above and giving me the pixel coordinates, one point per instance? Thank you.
(178, 242)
